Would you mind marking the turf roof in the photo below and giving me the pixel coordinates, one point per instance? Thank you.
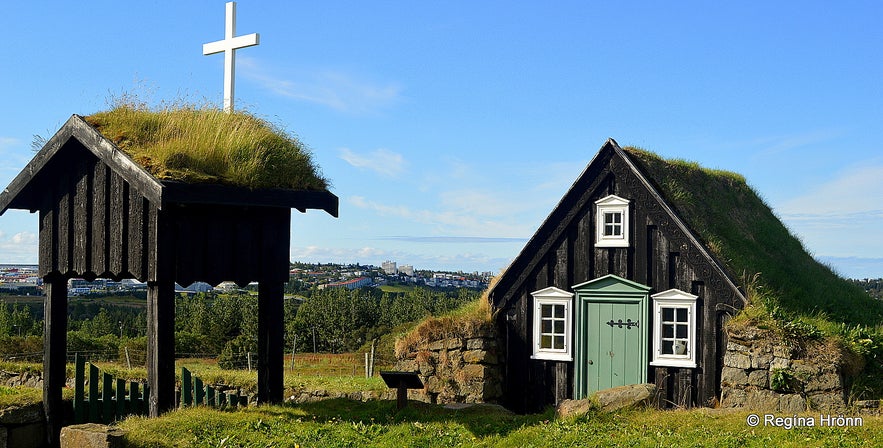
(203, 145)
(743, 232)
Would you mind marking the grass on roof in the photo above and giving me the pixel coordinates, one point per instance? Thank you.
(205, 145)
(744, 233)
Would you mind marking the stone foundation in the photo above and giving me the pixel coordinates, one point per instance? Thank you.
(762, 372)
(456, 370)
(23, 426)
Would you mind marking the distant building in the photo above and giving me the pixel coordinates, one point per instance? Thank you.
(349, 284)
(407, 269)
(389, 267)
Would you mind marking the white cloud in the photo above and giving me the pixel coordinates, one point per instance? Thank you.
(855, 191)
(841, 217)
(784, 143)
(330, 88)
(467, 261)
(382, 161)
(19, 248)
(468, 219)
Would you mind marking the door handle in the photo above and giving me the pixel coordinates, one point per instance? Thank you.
(590, 362)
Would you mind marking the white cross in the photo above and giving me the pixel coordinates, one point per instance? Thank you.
(229, 46)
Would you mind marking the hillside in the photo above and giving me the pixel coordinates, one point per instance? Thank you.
(743, 232)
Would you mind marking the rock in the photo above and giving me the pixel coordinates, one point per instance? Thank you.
(737, 360)
(22, 415)
(761, 361)
(574, 408)
(826, 401)
(780, 363)
(734, 347)
(792, 403)
(480, 344)
(479, 356)
(824, 382)
(633, 395)
(733, 398)
(762, 400)
(759, 378)
(732, 376)
(91, 435)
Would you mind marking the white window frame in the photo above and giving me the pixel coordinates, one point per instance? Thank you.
(612, 204)
(674, 298)
(553, 296)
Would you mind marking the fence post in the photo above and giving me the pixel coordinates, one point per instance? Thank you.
(367, 366)
(293, 351)
(121, 398)
(200, 392)
(128, 361)
(248, 355)
(134, 398)
(107, 399)
(93, 393)
(210, 396)
(371, 369)
(79, 389)
(186, 388)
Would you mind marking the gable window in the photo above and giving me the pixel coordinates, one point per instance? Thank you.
(612, 213)
(552, 324)
(674, 330)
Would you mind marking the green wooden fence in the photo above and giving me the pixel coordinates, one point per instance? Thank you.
(108, 399)
(194, 393)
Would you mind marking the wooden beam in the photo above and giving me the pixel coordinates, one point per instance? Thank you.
(161, 345)
(54, 354)
(271, 333)
(160, 315)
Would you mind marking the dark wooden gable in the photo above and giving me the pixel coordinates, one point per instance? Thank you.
(664, 253)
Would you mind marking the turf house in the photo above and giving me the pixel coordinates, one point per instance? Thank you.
(633, 276)
(141, 194)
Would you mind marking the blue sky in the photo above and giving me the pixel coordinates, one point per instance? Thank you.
(451, 129)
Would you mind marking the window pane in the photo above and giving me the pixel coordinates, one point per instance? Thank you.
(682, 314)
(546, 326)
(667, 348)
(668, 314)
(559, 342)
(559, 311)
(682, 332)
(668, 331)
(559, 327)
(546, 342)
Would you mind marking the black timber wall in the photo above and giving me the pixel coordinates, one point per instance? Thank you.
(94, 223)
(661, 256)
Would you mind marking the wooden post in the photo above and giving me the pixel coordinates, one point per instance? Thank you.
(401, 395)
(161, 345)
(271, 332)
(54, 354)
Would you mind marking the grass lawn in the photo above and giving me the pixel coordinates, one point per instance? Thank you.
(344, 423)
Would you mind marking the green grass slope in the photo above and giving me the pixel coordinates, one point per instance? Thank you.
(205, 145)
(745, 234)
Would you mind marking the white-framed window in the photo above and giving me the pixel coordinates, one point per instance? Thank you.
(612, 222)
(552, 324)
(674, 329)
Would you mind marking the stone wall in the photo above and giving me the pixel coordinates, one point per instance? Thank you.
(456, 370)
(764, 372)
(23, 426)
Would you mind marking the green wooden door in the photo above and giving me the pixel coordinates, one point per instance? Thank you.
(611, 334)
